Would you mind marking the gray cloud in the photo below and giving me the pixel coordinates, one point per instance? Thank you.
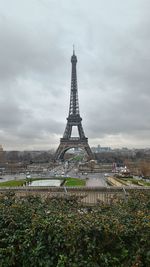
(112, 44)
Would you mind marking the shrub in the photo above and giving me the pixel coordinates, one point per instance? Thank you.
(60, 232)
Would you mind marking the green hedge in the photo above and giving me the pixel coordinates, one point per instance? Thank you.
(60, 232)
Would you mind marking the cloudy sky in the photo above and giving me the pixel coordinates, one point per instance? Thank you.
(112, 43)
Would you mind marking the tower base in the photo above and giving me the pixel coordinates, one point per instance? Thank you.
(66, 144)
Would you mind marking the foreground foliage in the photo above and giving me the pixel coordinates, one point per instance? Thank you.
(59, 232)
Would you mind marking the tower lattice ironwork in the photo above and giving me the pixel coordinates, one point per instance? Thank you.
(73, 119)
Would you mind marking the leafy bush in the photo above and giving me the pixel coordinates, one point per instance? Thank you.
(60, 232)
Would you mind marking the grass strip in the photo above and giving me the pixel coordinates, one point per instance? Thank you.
(12, 183)
(74, 182)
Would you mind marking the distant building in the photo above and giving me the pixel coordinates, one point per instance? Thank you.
(100, 149)
(2, 160)
(2, 155)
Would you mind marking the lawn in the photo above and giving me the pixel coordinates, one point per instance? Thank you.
(12, 183)
(74, 182)
(137, 182)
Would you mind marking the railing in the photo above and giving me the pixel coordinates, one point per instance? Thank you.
(88, 195)
(74, 139)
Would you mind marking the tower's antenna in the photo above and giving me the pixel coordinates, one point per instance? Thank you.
(73, 49)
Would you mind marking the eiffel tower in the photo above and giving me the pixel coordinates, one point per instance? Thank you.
(73, 119)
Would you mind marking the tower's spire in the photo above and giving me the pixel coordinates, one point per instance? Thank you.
(73, 49)
(74, 103)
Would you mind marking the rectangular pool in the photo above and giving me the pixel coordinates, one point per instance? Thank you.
(47, 182)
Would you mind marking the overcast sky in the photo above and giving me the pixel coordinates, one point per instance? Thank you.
(112, 43)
